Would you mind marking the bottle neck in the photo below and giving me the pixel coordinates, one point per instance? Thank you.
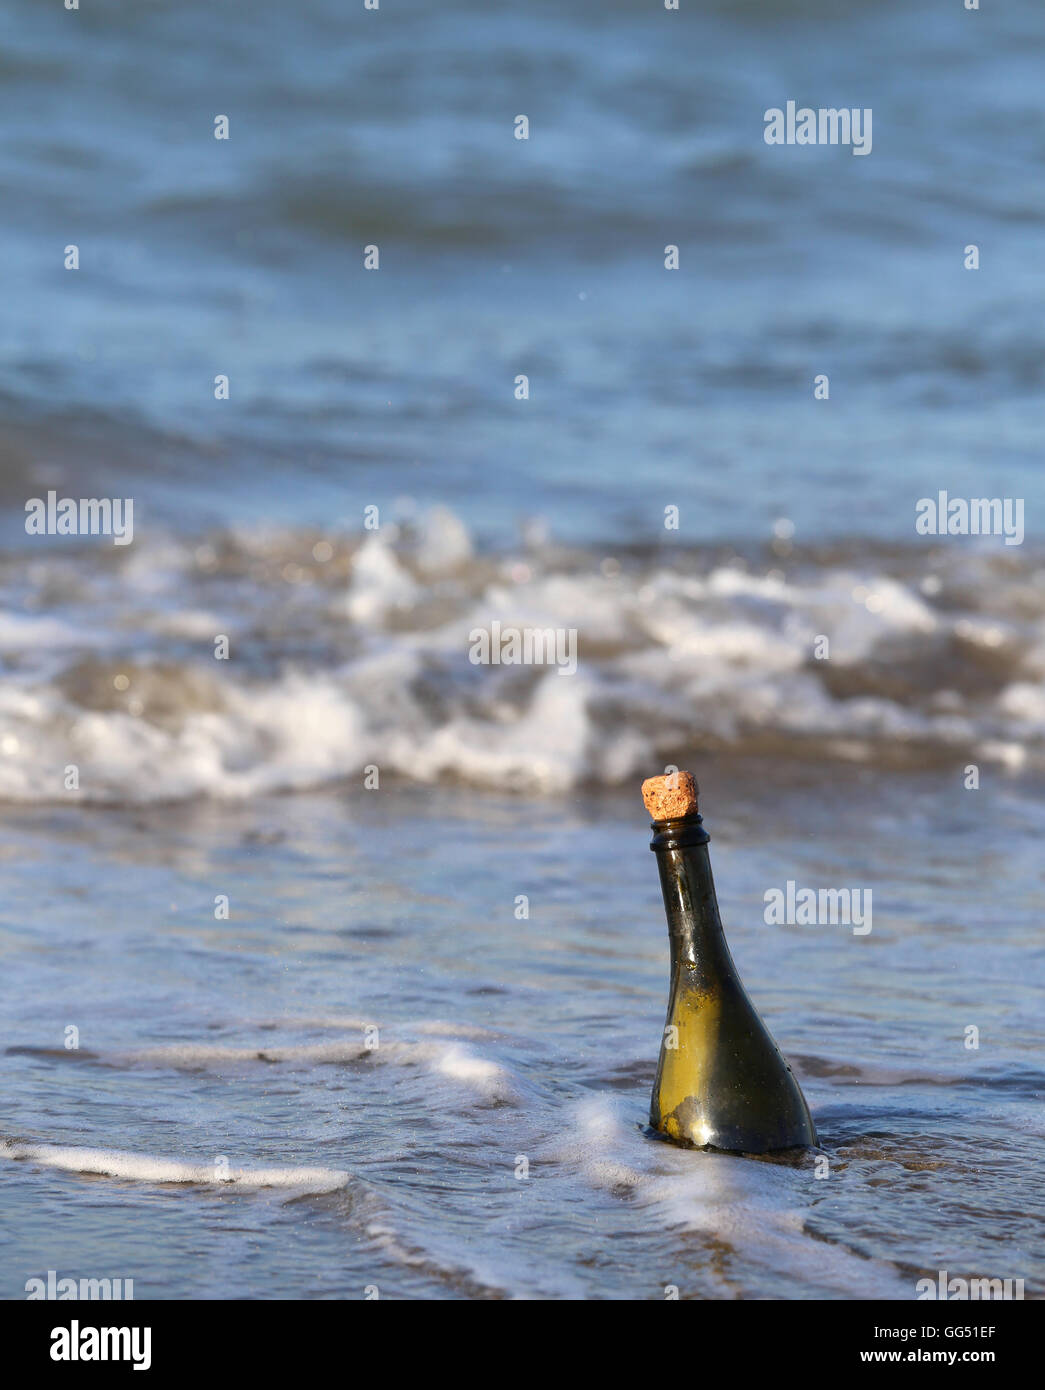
(694, 925)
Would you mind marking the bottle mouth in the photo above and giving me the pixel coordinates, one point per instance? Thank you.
(680, 832)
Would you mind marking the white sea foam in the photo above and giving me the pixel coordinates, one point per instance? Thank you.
(479, 1075)
(669, 661)
(380, 584)
(148, 1168)
(758, 1209)
(18, 632)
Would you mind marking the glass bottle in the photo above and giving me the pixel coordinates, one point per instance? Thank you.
(722, 1082)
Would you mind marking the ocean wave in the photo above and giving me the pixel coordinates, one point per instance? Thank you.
(353, 657)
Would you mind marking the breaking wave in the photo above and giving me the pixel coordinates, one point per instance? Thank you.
(347, 653)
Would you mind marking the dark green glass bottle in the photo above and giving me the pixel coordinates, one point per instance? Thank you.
(722, 1082)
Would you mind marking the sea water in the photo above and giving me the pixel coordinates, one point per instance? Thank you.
(339, 964)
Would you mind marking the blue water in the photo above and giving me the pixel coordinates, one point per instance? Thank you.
(218, 1124)
(501, 1038)
(542, 257)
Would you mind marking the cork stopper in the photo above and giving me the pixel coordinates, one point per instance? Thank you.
(668, 798)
